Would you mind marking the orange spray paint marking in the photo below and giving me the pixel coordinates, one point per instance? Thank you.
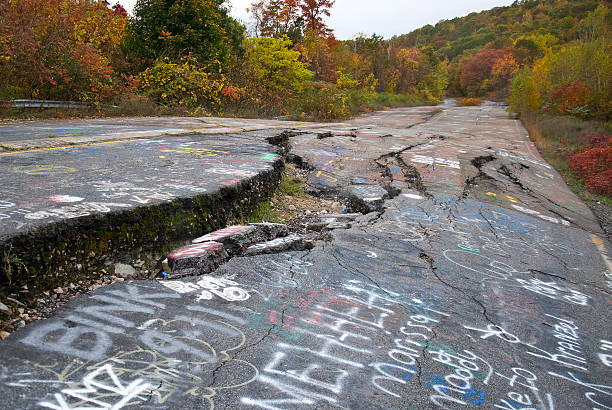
(602, 251)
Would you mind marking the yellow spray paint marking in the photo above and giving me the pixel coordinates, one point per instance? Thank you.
(602, 251)
(511, 199)
(25, 151)
(491, 194)
(202, 152)
(43, 169)
(319, 174)
(162, 156)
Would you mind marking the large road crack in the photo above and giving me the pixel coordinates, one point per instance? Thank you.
(478, 163)
(434, 270)
(412, 176)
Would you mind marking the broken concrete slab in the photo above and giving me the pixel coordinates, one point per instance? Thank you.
(235, 238)
(107, 198)
(288, 243)
(338, 225)
(317, 225)
(196, 259)
(341, 217)
(271, 230)
(366, 198)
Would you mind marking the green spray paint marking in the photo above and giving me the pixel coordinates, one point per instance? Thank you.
(469, 249)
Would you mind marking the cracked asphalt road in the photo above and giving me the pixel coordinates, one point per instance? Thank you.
(478, 281)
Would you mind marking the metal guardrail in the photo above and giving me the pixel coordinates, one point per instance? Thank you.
(21, 103)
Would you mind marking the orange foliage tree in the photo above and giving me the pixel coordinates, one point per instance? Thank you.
(59, 49)
(313, 12)
(478, 69)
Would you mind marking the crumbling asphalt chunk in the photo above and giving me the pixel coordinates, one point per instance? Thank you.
(271, 230)
(196, 259)
(366, 198)
(210, 251)
(289, 243)
(324, 135)
(234, 238)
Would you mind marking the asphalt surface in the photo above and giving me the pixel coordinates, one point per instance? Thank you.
(479, 281)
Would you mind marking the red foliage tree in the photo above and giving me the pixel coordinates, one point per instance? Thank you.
(477, 70)
(569, 96)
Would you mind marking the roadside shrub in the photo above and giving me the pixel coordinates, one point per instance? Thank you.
(594, 165)
(321, 102)
(469, 102)
(185, 83)
(595, 140)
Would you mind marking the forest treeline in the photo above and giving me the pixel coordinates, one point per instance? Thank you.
(540, 55)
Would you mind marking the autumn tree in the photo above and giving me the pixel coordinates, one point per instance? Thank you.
(373, 58)
(502, 73)
(277, 18)
(314, 12)
(59, 49)
(319, 52)
(476, 71)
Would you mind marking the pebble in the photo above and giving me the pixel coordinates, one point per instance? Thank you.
(59, 291)
(4, 308)
(125, 271)
(4, 335)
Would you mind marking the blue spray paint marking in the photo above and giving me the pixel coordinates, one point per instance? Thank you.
(470, 394)
(408, 375)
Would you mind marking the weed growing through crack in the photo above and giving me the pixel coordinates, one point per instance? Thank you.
(291, 186)
(265, 212)
(9, 259)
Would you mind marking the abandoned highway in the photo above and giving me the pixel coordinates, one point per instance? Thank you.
(464, 273)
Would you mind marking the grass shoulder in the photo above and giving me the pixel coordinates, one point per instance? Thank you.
(581, 151)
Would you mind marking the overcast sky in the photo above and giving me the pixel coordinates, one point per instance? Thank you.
(383, 17)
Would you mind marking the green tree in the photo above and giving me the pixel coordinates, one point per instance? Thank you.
(276, 66)
(177, 28)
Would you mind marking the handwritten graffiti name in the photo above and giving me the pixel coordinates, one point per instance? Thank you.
(209, 287)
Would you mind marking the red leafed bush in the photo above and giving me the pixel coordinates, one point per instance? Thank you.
(594, 164)
(601, 183)
(570, 96)
(595, 140)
